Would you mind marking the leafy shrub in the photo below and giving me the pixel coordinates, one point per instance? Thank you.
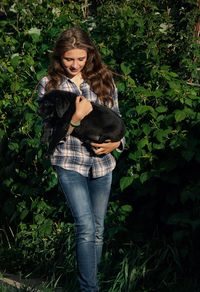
(151, 44)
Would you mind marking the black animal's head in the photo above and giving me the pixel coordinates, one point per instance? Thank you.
(56, 103)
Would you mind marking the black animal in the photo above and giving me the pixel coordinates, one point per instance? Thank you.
(57, 107)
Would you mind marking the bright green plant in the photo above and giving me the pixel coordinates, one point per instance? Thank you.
(152, 46)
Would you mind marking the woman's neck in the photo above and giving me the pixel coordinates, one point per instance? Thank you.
(77, 79)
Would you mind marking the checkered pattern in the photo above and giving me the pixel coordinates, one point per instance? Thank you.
(71, 153)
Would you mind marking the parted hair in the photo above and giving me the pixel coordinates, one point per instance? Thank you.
(95, 72)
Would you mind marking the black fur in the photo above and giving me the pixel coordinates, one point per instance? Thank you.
(57, 108)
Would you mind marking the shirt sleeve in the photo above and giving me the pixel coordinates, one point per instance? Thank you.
(115, 107)
(41, 87)
(41, 91)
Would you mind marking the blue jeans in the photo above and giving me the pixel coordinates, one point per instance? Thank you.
(87, 199)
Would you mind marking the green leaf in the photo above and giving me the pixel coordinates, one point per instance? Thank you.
(158, 146)
(23, 214)
(141, 109)
(39, 218)
(131, 82)
(180, 115)
(46, 228)
(175, 86)
(35, 33)
(146, 129)
(126, 68)
(142, 143)
(144, 177)
(41, 74)
(15, 59)
(126, 208)
(13, 146)
(52, 182)
(161, 109)
(34, 30)
(125, 182)
(162, 135)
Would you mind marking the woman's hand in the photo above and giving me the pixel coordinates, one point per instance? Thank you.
(104, 148)
(83, 108)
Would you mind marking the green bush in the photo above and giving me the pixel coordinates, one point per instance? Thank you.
(155, 204)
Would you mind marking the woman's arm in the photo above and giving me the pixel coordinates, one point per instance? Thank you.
(109, 146)
(83, 108)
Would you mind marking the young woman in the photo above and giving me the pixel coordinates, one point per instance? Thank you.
(85, 176)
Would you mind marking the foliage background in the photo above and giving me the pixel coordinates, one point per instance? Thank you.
(152, 234)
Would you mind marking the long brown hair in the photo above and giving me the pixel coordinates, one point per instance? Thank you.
(98, 76)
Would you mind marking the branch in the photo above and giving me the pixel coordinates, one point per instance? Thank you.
(193, 84)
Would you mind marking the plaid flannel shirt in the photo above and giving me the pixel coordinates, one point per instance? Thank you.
(70, 153)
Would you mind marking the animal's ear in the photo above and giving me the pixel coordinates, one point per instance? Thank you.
(61, 107)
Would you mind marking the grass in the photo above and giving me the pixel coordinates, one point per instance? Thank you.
(151, 267)
(6, 288)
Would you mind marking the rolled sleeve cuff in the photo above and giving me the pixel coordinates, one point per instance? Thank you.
(121, 146)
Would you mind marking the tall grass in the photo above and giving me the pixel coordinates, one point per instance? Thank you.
(150, 267)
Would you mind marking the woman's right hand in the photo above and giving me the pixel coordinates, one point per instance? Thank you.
(83, 108)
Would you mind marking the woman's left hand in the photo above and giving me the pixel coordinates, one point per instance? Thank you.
(104, 148)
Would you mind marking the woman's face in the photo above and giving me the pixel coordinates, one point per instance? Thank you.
(74, 61)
